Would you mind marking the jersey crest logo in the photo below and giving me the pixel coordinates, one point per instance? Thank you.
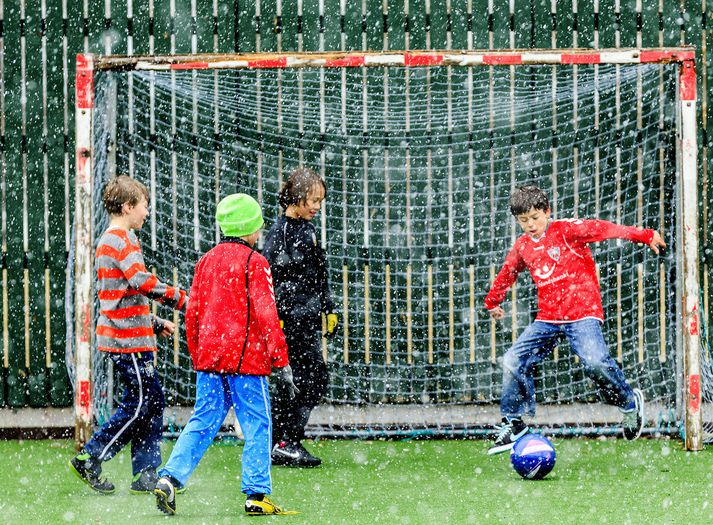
(554, 253)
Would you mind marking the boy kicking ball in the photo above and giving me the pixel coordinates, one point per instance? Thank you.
(556, 254)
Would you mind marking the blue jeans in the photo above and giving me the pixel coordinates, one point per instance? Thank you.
(215, 394)
(139, 418)
(537, 341)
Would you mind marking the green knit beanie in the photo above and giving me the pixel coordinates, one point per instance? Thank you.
(238, 215)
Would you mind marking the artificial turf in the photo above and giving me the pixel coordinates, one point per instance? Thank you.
(390, 482)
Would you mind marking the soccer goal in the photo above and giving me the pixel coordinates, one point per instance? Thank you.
(420, 152)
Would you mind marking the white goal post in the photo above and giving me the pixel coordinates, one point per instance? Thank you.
(686, 151)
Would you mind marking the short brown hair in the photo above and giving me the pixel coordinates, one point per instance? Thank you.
(120, 190)
(298, 185)
(525, 198)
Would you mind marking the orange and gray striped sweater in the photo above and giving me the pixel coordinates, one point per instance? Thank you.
(124, 287)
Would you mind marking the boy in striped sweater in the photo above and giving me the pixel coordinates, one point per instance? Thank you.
(127, 331)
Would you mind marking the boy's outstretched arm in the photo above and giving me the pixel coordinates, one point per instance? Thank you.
(118, 252)
(657, 242)
(596, 230)
(512, 266)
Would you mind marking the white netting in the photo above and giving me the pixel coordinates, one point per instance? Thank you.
(419, 165)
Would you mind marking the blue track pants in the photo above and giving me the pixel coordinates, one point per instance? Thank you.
(215, 394)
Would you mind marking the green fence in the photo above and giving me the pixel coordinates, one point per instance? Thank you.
(39, 40)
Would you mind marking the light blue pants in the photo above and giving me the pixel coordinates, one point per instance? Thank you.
(537, 341)
(215, 394)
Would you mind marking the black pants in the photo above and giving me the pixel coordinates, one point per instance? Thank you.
(289, 417)
(139, 418)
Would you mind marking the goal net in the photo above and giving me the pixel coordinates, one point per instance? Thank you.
(420, 153)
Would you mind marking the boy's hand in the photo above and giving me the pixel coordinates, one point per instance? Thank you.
(497, 313)
(166, 329)
(657, 242)
(286, 382)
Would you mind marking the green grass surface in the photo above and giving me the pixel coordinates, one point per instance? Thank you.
(392, 482)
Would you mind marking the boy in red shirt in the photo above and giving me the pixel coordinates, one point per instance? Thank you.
(235, 341)
(569, 305)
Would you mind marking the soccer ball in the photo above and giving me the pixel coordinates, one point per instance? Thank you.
(533, 456)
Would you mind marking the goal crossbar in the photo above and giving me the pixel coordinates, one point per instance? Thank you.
(507, 57)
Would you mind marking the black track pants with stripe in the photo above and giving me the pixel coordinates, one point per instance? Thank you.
(139, 417)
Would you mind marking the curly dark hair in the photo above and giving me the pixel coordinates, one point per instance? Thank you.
(298, 185)
(524, 198)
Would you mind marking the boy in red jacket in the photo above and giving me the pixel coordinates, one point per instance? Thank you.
(235, 341)
(569, 305)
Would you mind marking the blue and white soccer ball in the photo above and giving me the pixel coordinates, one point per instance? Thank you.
(533, 456)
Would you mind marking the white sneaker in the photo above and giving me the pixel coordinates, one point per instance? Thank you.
(633, 422)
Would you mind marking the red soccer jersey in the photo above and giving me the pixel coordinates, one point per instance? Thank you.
(562, 267)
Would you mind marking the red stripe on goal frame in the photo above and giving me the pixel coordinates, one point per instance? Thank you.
(190, 65)
(687, 81)
(666, 56)
(502, 60)
(268, 63)
(350, 61)
(84, 81)
(412, 59)
(594, 58)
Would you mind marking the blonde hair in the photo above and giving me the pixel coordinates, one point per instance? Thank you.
(120, 190)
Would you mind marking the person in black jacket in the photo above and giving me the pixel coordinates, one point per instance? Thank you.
(299, 269)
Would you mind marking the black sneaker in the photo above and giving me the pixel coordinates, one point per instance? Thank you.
(144, 482)
(633, 422)
(293, 455)
(285, 454)
(510, 431)
(88, 470)
(307, 458)
(165, 496)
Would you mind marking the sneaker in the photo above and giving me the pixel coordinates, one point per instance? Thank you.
(308, 459)
(285, 454)
(144, 482)
(264, 507)
(165, 496)
(88, 470)
(510, 431)
(634, 419)
(293, 455)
